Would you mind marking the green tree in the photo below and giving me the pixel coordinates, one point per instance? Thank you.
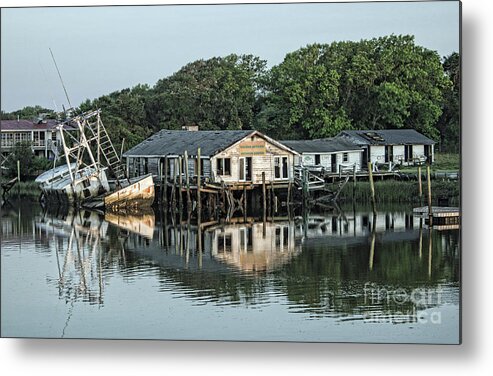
(449, 123)
(30, 165)
(28, 113)
(218, 93)
(381, 83)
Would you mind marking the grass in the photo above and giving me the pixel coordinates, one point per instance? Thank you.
(444, 162)
(26, 188)
(394, 191)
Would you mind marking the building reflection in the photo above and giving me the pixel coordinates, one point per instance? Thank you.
(322, 264)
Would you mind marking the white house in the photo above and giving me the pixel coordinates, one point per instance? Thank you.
(405, 147)
(330, 154)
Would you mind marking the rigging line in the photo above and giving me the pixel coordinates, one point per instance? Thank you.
(60, 76)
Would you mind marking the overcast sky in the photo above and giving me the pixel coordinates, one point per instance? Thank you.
(103, 49)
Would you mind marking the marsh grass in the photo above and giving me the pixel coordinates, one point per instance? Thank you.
(394, 191)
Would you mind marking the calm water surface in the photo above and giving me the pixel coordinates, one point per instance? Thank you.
(343, 276)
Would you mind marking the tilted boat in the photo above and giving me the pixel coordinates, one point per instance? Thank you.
(93, 175)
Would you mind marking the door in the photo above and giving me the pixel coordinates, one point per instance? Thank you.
(389, 153)
(333, 163)
(248, 168)
(245, 169)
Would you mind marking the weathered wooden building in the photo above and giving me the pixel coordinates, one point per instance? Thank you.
(227, 157)
(397, 146)
(331, 155)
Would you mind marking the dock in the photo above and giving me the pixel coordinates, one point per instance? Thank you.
(441, 215)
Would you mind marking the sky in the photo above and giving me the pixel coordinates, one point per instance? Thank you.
(103, 49)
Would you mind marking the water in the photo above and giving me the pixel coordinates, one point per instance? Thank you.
(344, 277)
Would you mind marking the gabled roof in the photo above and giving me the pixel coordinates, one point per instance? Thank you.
(171, 142)
(323, 145)
(387, 137)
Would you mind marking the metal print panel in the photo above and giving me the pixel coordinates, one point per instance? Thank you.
(243, 172)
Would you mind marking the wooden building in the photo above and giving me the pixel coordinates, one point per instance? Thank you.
(405, 147)
(330, 155)
(232, 158)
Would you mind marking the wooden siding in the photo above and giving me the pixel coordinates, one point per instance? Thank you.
(354, 158)
(377, 153)
(260, 163)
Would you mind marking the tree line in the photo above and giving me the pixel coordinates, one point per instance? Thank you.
(316, 91)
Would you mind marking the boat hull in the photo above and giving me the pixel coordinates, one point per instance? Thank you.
(137, 195)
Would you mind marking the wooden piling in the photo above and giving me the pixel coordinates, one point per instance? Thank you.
(430, 209)
(165, 185)
(187, 183)
(244, 203)
(354, 181)
(264, 198)
(420, 184)
(372, 244)
(271, 200)
(372, 187)
(199, 173)
(180, 183)
(430, 251)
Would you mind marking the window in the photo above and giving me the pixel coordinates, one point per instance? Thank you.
(345, 157)
(223, 166)
(281, 167)
(317, 159)
(224, 243)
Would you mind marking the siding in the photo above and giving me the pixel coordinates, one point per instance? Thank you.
(260, 163)
(354, 158)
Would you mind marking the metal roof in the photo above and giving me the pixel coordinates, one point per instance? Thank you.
(387, 137)
(324, 145)
(171, 142)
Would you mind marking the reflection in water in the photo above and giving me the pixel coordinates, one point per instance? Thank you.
(348, 266)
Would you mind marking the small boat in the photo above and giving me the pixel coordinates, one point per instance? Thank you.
(93, 175)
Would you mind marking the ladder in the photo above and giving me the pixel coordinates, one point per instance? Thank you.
(105, 149)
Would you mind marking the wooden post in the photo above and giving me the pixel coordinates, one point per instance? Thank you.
(430, 251)
(372, 244)
(430, 210)
(199, 172)
(244, 203)
(354, 181)
(420, 238)
(180, 183)
(305, 187)
(372, 187)
(289, 194)
(271, 199)
(165, 185)
(264, 194)
(187, 182)
(173, 188)
(420, 185)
